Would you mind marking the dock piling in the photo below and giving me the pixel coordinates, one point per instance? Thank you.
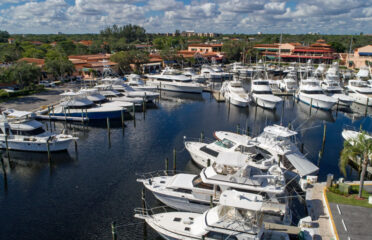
(108, 127)
(208, 162)
(134, 115)
(202, 136)
(7, 146)
(122, 120)
(211, 201)
(174, 160)
(166, 166)
(311, 105)
(365, 114)
(48, 150)
(237, 128)
(113, 230)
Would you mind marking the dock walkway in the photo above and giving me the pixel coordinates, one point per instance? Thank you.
(319, 211)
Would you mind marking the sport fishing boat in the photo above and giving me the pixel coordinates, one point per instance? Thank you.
(172, 80)
(262, 95)
(333, 89)
(241, 70)
(320, 70)
(360, 92)
(234, 93)
(289, 84)
(280, 142)
(93, 95)
(239, 216)
(202, 153)
(189, 192)
(312, 94)
(20, 131)
(75, 104)
(363, 73)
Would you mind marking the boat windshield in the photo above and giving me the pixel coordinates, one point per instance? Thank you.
(312, 92)
(365, 92)
(225, 143)
(261, 83)
(34, 132)
(198, 182)
(185, 81)
(359, 84)
(172, 73)
(262, 92)
(333, 78)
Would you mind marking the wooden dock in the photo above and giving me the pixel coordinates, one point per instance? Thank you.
(293, 230)
(218, 96)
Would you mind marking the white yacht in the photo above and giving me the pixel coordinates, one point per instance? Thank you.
(262, 95)
(119, 85)
(172, 80)
(333, 73)
(291, 68)
(202, 153)
(20, 131)
(311, 93)
(76, 104)
(239, 216)
(350, 135)
(190, 72)
(135, 82)
(360, 92)
(289, 84)
(215, 73)
(279, 142)
(234, 93)
(333, 89)
(240, 69)
(189, 192)
(93, 95)
(363, 73)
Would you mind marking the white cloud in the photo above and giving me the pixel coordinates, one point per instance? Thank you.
(44, 16)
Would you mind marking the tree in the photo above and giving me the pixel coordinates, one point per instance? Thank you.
(124, 59)
(4, 35)
(67, 47)
(338, 47)
(21, 73)
(33, 52)
(58, 64)
(130, 32)
(357, 148)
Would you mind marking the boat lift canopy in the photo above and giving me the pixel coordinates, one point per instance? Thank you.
(303, 165)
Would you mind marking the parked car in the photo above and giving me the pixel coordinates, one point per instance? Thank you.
(47, 84)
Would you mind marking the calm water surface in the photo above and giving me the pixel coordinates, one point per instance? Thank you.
(80, 194)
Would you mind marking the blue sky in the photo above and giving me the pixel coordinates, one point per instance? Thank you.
(223, 16)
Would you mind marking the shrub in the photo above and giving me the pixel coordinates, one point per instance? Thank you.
(3, 93)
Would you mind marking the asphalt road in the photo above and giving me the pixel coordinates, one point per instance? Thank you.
(352, 222)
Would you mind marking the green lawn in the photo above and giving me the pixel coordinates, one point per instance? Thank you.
(350, 200)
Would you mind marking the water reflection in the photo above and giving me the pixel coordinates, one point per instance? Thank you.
(305, 113)
(180, 97)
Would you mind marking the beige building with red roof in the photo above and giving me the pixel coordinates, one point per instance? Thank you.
(360, 57)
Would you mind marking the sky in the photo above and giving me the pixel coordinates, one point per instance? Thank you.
(219, 16)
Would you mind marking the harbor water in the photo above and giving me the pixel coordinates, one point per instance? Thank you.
(81, 193)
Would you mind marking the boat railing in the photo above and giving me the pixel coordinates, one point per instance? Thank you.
(149, 212)
(158, 173)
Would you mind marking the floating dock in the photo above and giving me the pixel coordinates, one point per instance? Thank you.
(218, 96)
(292, 230)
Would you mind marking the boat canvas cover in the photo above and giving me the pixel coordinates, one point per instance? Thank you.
(241, 200)
(279, 131)
(233, 159)
(303, 166)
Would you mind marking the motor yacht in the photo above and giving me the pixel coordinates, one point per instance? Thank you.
(214, 73)
(190, 72)
(239, 216)
(75, 104)
(93, 95)
(311, 93)
(235, 94)
(20, 131)
(262, 95)
(203, 153)
(172, 80)
(135, 82)
(363, 73)
(241, 70)
(360, 92)
(333, 72)
(333, 89)
(279, 141)
(289, 84)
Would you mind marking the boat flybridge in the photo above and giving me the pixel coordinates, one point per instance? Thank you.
(190, 192)
(240, 69)
(239, 216)
(76, 104)
(311, 93)
(279, 142)
(333, 89)
(320, 70)
(120, 86)
(333, 72)
(20, 131)
(363, 73)
(173, 80)
(262, 95)
(360, 92)
(234, 92)
(202, 153)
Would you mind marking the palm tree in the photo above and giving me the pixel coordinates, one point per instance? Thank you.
(357, 148)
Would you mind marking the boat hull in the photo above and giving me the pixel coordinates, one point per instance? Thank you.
(182, 204)
(264, 103)
(361, 99)
(316, 103)
(237, 102)
(35, 146)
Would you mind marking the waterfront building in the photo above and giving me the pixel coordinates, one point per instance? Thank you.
(318, 52)
(360, 58)
(204, 48)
